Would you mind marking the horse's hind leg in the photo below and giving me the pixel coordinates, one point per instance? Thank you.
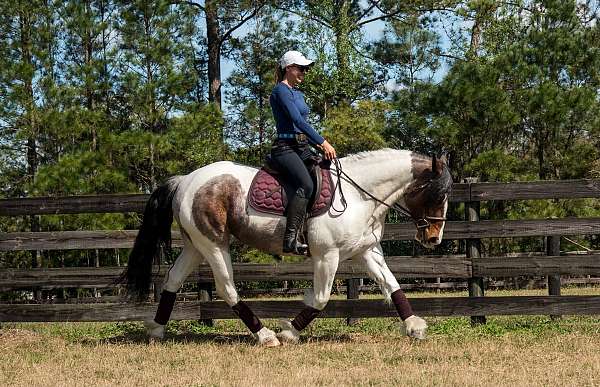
(184, 265)
(220, 262)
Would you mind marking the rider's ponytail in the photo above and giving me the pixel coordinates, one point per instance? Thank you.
(279, 74)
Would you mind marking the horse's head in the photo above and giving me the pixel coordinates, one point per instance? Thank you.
(427, 198)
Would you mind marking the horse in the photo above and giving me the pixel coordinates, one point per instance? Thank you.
(210, 207)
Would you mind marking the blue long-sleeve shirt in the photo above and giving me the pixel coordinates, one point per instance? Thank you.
(290, 112)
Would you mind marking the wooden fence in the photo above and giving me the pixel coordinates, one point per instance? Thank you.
(471, 267)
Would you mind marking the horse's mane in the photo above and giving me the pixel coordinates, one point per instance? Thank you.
(370, 154)
(437, 188)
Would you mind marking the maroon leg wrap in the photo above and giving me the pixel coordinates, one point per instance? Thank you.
(165, 307)
(401, 304)
(305, 317)
(247, 316)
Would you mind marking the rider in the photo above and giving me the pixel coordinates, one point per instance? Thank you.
(290, 149)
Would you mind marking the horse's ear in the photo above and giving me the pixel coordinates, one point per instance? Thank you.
(434, 166)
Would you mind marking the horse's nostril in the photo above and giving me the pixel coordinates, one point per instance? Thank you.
(432, 240)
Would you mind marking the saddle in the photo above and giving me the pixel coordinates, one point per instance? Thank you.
(269, 192)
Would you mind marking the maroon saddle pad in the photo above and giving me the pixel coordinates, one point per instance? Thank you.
(267, 194)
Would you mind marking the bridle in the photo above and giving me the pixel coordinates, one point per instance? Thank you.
(421, 223)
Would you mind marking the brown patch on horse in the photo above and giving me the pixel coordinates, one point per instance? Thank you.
(219, 210)
(216, 205)
(417, 197)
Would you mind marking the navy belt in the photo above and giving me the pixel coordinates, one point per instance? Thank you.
(295, 136)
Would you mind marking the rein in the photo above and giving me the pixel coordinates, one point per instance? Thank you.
(420, 223)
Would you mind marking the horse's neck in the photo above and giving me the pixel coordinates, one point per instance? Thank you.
(385, 174)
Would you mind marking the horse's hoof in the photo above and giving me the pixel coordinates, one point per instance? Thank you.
(288, 334)
(416, 327)
(155, 331)
(418, 334)
(267, 338)
(271, 342)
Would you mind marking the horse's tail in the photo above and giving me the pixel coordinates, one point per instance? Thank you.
(153, 239)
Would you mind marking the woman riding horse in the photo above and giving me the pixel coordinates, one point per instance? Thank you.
(210, 206)
(290, 149)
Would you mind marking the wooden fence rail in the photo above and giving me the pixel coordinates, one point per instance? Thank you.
(457, 267)
(441, 306)
(70, 240)
(402, 267)
(461, 192)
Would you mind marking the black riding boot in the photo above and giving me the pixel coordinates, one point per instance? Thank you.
(295, 217)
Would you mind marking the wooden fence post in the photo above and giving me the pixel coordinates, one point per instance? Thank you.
(36, 255)
(353, 293)
(118, 256)
(553, 249)
(476, 286)
(205, 294)
(96, 264)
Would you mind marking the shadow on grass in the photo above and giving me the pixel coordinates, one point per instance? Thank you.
(176, 338)
(217, 338)
(327, 338)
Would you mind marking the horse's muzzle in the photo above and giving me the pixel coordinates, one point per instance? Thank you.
(433, 240)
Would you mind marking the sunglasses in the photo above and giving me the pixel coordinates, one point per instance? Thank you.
(302, 68)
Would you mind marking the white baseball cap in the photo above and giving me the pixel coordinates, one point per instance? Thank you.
(294, 57)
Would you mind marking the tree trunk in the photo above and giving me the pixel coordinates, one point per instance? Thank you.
(88, 49)
(153, 183)
(150, 97)
(260, 97)
(342, 47)
(105, 76)
(214, 52)
(540, 154)
(483, 13)
(30, 121)
(475, 37)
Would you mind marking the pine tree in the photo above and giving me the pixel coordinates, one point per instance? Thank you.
(408, 53)
(251, 127)
(155, 83)
(80, 161)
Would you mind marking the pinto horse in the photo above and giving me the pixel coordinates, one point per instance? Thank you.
(210, 206)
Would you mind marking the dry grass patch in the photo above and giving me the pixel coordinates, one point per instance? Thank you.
(508, 351)
(516, 350)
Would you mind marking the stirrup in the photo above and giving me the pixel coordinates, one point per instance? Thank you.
(301, 248)
(296, 248)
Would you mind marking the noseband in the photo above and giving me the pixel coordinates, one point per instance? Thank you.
(424, 222)
(420, 223)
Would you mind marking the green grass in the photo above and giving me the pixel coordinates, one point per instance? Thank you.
(530, 327)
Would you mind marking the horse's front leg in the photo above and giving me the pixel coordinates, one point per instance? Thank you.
(323, 276)
(378, 270)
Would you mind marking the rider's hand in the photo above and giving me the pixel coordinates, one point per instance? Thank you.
(328, 150)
